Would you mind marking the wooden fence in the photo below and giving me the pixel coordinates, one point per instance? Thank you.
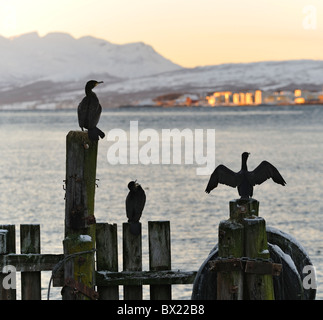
(30, 262)
(88, 269)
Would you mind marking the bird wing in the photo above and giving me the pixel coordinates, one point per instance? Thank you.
(224, 175)
(140, 203)
(82, 112)
(95, 110)
(263, 172)
(135, 203)
(130, 205)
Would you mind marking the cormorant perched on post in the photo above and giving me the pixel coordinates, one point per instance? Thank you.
(135, 203)
(89, 111)
(245, 180)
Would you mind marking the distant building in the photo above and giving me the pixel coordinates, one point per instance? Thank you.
(249, 98)
(227, 98)
(187, 100)
(297, 93)
(258, 97)
(279, 97)
(242, 98)
(299, 100)
(219, 98)
(236, 99)
(306, 96)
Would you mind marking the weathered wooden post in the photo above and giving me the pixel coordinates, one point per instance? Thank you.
(159, 256)
(3, 241)
(8, 246)
(230, 275)
(132, 260)
(30, 243)
(79, 242)
(259, 285)
(243, 240)
(107, 257)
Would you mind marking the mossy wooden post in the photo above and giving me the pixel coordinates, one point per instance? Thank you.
(230, 282)
(107, 257)
(257, 286)
(30, 243)
(81, 159)
(132, 260)
(8, 247)
(243, 235)
(159, 256)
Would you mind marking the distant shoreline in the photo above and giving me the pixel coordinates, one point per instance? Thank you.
(129, 106)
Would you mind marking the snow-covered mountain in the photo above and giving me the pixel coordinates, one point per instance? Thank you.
(59, 57)
(54, 69)
(269, 75)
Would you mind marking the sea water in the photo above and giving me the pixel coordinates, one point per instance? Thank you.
(32, 162)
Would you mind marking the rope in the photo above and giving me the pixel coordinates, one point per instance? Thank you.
(59, 265)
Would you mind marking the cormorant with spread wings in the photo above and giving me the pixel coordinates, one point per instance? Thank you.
(245, 180)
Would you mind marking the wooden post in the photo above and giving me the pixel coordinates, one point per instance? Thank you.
(30, 243)
(243, 235)
(132, 260)
(159, 256)
(3, 241)
(107, 257)
(258, 286)
(231, 239)
(81, 159)
(8, 294)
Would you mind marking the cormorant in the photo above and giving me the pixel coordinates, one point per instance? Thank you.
(89, 111)
(245, 180)
(135, 203)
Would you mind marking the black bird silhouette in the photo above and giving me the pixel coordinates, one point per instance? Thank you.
(89, 111)
(245, 180)
(135, 203)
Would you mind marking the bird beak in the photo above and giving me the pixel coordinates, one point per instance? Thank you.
(99, 83)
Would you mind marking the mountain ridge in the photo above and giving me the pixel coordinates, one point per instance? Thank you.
(53, 69)
(59, 57)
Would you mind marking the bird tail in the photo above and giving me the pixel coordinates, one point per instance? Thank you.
(94, 134)
(207, 190)
(135, 228)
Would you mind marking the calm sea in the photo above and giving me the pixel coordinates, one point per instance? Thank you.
(290, 137)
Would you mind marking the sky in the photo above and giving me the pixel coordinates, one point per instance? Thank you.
(188, 32)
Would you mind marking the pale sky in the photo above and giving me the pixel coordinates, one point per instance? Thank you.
(188, 32)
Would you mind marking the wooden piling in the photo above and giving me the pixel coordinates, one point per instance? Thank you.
(107, 257)
(231, 240)
(243, 236)
(132, 260)
(258, 286)
(159, 256)
(30, 243)
(3, 241)
(79, 242)
(10, 247)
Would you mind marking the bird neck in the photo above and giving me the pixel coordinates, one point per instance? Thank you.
(244, 164)
(88, 91)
